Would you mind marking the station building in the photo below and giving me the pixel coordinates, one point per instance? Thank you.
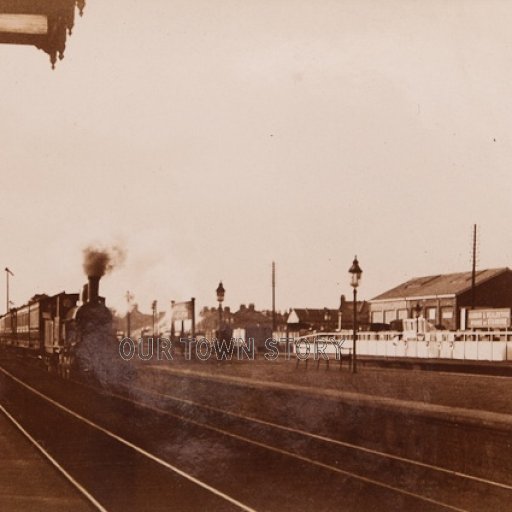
(443, 299)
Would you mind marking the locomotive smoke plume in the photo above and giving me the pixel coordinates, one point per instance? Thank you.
(98, 261)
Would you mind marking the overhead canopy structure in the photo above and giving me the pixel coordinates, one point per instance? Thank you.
(44, 24)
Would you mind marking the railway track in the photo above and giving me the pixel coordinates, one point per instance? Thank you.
(161, 450)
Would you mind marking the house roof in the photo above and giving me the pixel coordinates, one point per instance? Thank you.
(312, 316)
(441, 284)
(250, 317)
(324, 315)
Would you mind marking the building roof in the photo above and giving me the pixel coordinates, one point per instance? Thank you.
(441, 284)
(312, 316)
(250, 317)
(325, 315)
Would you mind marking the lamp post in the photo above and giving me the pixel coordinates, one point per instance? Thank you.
(355, 276)
(220, 297)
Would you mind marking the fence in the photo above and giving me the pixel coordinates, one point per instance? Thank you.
(463, 345)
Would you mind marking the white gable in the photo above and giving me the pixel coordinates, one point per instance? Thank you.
(293, 318)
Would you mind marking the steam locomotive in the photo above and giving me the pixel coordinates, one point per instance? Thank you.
(66, 336)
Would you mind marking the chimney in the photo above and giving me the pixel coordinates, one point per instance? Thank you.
(93, 288)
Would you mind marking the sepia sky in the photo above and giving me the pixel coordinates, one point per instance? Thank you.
(212, 137)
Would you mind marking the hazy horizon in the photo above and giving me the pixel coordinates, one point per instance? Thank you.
(209, 139)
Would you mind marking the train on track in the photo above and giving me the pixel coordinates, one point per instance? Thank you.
(67, 334)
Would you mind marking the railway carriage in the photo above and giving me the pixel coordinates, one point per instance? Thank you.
(8, 328)
(38, 328)
(65, 335)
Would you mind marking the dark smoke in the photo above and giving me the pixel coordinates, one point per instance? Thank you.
(98, 262)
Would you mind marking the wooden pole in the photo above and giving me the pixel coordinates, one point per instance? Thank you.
(473, 270)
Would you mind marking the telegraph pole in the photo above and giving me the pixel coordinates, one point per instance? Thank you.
(129, 298)
(193, 308)
(473, 270)
(153, 307)
(7, 301)
(273, 296)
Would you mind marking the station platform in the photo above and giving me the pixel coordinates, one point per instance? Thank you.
(28, 481)
(495, 368)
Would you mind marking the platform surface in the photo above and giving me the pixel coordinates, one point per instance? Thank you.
(28, 481)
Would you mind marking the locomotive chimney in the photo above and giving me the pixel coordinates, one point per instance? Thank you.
(93, 288)
(85, 293)
(97, 263)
